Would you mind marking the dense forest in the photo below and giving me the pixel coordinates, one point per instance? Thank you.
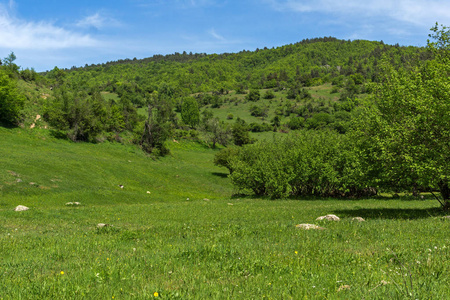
(319, 117)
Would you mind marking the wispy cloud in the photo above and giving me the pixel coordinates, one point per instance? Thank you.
(20, 34)
(215, 35)
(97, 21)
(177, 4)
(416, 12)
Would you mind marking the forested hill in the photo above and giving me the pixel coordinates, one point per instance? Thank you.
(306, 63)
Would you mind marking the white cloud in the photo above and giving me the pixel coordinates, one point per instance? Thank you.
(97, 21)
(215, 35)
(21, 34)
(416, 12)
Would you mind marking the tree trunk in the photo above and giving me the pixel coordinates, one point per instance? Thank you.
(445, 194)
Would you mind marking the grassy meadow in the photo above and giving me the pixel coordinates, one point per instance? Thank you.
(178, 230)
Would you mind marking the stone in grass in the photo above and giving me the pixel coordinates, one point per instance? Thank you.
(102, 225)
(73, 203)
(358, 219)
(329, 218)
(343, 287)
(309, 226)
(21, 208)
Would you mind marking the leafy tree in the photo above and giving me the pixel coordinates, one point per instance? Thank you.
(404, 138)
(9, 63)
(253, 95)
(269, 94)
(190, 113)
(240, 133)
(296, 123)
(259, 111)
(158, 126)
(217, 132)
(276, 122)
(11, 102)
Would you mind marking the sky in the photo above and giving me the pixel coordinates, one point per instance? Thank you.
(48, 33)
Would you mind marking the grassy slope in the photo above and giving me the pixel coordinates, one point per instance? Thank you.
(195, 249)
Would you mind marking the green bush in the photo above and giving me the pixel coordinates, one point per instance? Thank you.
(253, 95)
(224, 157)
(313, 163)
(11, 102)
(269, 94)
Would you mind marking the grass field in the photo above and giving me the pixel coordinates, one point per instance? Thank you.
(216, 245)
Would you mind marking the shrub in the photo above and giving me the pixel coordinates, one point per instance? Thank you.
(224, 157)
(253, 95)
(269, 94)
(321, 163)
(11, 102)
(296, 123)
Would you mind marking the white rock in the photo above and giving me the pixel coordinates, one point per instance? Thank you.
(309, 226)
(21, 208)
(359, 219)
(329, 218)
(101, 225)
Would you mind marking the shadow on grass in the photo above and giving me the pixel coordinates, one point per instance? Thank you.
(59, 134)
(223, 175)
(391, 213)
(7, 125)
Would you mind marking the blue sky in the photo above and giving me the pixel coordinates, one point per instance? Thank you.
(48, 33)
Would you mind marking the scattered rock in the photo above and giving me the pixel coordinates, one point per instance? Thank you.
(21, 208)
(32, 183)
(13, 173)
(102, 225)
(73, 203)
(308, 226)
(230, 204)
(329, 218)
(359, 219)
(205, 199)
(148, 192)
(187, 199)
(343, 287)
(19, 180)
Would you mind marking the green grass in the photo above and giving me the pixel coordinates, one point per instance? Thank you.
(239, 107)
(223, 247)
